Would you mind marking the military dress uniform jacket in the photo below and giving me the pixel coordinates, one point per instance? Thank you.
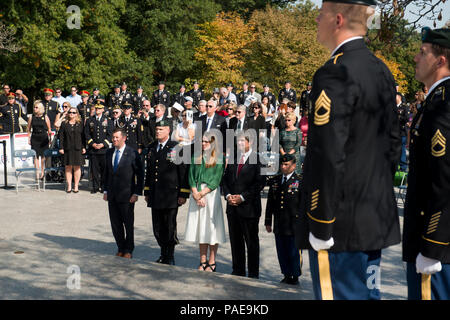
(180, 98)
(242, 96)
(85, 111)
(51, 109)
(353, 149)
(427, 208)
(161, 98)
(98, 132)
(291, 95)
(165, 181)
(283, 202)
(196, 96)
(305, 101)
(137, 102)
(114, 100)
(9, 118)
(134, 130)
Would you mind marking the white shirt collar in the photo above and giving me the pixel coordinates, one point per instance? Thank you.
(122, 149)
(163, 143)
(344, 42)
(436, 84)
(289, 175)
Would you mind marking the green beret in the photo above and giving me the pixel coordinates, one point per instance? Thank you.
(361, 2)
(288, 157)
(163, 123)
(441, 37)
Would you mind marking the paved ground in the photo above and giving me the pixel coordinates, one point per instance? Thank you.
(45, 237)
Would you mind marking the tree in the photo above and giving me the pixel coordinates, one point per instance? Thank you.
(7, 40)
(246, 7)
(54, 55)
(285, 46)
(165, 32)
(225, 44)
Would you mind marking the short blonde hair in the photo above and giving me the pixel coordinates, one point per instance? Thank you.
(290, 116)
(40, 106)
(356, 15)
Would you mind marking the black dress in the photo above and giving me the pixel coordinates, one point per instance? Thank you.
(71, 138)
(39, 135)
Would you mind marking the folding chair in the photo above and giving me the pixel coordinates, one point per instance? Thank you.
(24, 156)
(402, 188)
(55, 172)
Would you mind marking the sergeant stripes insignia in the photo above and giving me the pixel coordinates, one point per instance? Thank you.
(323, 102)
(438, 140)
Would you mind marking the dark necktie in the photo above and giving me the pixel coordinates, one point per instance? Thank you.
(239, 125)
(116, 160)
(240, 165)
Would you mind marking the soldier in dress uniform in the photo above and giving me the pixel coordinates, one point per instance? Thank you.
(266, 93)
(138, 99)
(426, 231)
(96, 96)
(161, 96)
(51, 107)
(305, 98)
(180, 97)
(84, 108)
(126, 95)
(283, 202)
(116, 115)
(98, 132)
(9, 115)
(287, 93)
(132, 126)
(196, 94)
(348, 212)
(166, 188)
(114, 99)
(242, 96)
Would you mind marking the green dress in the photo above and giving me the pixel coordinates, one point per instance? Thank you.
(292, 140)
(199, 174)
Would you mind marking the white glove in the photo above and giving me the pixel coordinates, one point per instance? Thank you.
(318, 244)
(427, 265)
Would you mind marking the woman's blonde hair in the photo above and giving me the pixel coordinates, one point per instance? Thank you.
(290, 116)
(41, 109)
(77, 118)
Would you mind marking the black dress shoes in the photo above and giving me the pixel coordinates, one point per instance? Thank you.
(160, 260)
(292, 281)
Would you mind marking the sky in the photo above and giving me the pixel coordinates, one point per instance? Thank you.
(410, 17)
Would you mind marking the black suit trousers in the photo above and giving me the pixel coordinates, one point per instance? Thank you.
(121, 216)
(165, 227)
(244, 232)
(97, 164)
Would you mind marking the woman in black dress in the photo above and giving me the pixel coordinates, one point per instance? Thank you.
(39, 130)
(72, 146)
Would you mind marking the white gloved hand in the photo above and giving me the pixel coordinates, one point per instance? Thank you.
(427, 265)
(319, 244)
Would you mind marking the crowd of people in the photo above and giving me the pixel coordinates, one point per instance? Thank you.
(333, 194)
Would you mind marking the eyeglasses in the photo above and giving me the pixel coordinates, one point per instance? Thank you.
(11, 98)
(238, 111)
(6, 88)
(71, 112)
(229, 109)
(116, 112)
(209, 106)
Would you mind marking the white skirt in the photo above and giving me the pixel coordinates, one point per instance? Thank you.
(206, 224)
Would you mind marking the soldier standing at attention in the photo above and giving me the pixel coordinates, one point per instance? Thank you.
(166, 188)
(133, 128)
(283, 202)
(10, 114)
(98, 132)
(51, 107)
(161, 96)
(426, 231)
(84, 108)
(287, 93)
(348, 211)
(196, 94)
(114, 99)
(305, 98)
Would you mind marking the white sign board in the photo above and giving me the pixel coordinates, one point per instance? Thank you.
(7, 138)
(21, 143)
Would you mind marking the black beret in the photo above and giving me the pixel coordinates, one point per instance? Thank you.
(361, 2)
(95, 89)
(441, 37)
(140, 87)
(126, 105)
(116, 86)
(288, 157)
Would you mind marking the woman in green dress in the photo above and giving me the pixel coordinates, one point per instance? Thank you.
(205, 221)
(291, 139)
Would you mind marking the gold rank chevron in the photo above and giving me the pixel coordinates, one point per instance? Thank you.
(438, 140)
(322, 103)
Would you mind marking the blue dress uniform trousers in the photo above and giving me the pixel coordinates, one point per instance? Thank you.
(345, 275)
(288, 255)
(428, 287)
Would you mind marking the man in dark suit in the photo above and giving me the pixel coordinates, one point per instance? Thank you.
(123, 182)
(166, 188)
(242, 184)
(212, 120)
(348, 208)
(283, 202)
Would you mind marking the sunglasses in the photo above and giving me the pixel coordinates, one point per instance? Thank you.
(71, 112)
(229, 109)
(209, 106)
(11, 98)
(238, 111)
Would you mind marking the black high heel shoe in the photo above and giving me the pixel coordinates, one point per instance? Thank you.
(211, 267)
(204, 265)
